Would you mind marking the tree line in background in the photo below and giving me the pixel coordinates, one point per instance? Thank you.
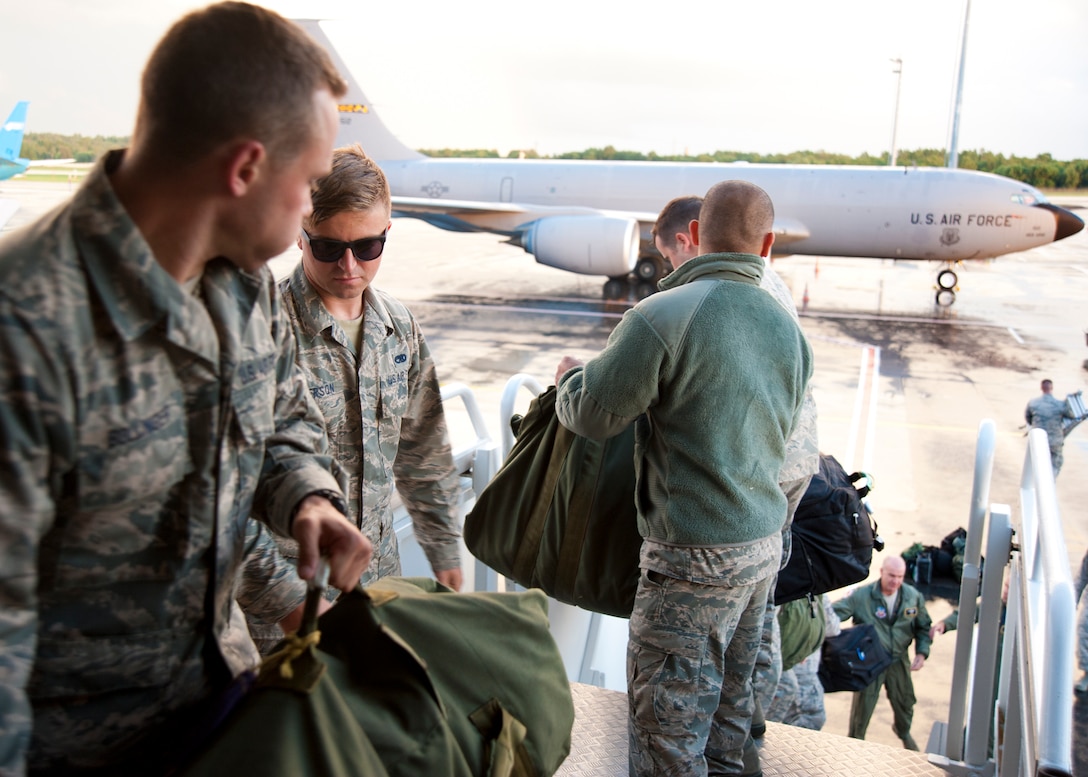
(47, 145)
(1042, 171)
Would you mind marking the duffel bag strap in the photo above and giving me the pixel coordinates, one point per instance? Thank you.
(534, 527)
(504, 735)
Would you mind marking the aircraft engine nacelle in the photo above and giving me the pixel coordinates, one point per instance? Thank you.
(590, 245)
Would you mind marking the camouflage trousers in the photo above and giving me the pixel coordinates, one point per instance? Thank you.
(900, 690)
(1057, 456)
(691, 651)
(1082, 630)
(799, 698)
(768, 668)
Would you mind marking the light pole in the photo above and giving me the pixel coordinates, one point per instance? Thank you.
(895, 121)
(953, 158)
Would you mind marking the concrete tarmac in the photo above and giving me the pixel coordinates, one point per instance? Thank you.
(901, 384)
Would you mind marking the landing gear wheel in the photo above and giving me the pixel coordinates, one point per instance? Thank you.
(644, 290)
(945, 297)
(647, 269)
(614, 288)
(947, 280)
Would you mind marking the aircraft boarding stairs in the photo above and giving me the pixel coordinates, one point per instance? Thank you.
(1034, 668)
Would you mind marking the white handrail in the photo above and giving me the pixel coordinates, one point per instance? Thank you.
(507, 403)
(969, 588)
(1050, 612)
(464, 454)
(1032, 716)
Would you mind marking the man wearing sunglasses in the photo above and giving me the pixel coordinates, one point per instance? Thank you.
(369, 368)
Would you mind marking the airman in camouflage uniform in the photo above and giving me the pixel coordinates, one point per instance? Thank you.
(719, 369)
(802, 462)
(1081, 685)
(1046, 412)
(370, 371)
(152, 404)
(675, 243)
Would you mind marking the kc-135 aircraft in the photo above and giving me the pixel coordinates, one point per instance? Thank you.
(595, 217)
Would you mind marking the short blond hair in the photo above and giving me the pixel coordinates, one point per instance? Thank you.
(354, 184)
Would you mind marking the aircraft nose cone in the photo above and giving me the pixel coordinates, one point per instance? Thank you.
(1069, 223)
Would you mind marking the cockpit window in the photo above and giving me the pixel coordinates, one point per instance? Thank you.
(1029, 198)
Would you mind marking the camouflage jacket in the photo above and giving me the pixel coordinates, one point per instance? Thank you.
(139, 430)
(386, 426)
(803, 447)
(1046, 412)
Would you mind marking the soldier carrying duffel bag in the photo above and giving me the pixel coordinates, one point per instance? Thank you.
(406, 678)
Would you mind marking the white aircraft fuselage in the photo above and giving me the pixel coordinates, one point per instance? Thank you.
(880, 212)
(595, 217)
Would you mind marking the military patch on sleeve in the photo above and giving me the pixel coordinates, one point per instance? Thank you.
(911, 612)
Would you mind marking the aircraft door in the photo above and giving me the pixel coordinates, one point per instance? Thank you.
(506, 190)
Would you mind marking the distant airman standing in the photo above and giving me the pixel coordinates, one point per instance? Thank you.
(1046, 412)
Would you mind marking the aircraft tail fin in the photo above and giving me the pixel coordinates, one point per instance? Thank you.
(359, 123)
(11, 134)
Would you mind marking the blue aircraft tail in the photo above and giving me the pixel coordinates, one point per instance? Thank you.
(11, 142)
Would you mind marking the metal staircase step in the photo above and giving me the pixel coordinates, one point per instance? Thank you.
(599, 746)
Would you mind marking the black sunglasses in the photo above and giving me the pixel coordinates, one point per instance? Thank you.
(366, 250)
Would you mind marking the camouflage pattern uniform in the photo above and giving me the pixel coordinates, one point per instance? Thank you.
(907, 622)
(1046, 412)
(140, 427)
(386, 425)
(269, 587)
(799, 698)
(802, 462)
(1081, 582)
(697, 640)
(709, 506)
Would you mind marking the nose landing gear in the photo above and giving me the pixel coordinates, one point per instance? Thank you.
(946, 287)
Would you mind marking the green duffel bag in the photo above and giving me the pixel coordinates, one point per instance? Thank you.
(802, 623)
(560, 515)
(407, 678)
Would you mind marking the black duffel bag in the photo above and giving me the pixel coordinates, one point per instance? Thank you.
(852, 660)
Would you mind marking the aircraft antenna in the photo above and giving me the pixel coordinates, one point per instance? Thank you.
(953, 158)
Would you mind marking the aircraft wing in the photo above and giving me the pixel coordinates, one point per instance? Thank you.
(7, 210)
(472, 215)
(787, 230)
(433, 205)
(503, 218)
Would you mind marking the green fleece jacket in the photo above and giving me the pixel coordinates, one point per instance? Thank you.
(715, 371)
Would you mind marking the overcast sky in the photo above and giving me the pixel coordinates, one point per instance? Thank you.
(564, 75)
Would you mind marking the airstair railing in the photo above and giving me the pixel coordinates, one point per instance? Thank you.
(969, 588)
(1030, 715)
(507, 404)
(1036, 695)
(481, 458)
